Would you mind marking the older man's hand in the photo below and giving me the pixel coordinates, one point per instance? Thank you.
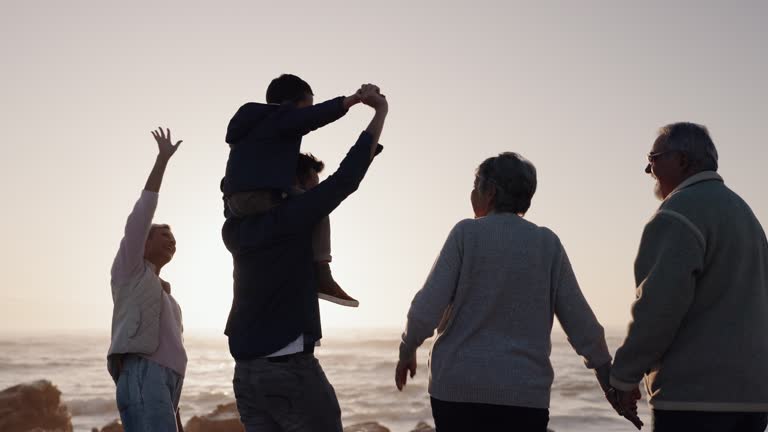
(625, 404)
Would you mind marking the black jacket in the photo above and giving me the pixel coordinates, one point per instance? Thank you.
(275, 286)
(265, 141)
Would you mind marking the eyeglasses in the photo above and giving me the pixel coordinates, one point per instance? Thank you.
(653, 156)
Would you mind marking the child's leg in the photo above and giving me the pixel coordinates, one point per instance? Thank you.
(243, 204)
(327, 288)
(321, 241)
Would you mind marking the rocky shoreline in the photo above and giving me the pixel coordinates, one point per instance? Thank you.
(37, 407)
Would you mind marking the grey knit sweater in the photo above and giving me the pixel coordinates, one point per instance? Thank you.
(504, 279)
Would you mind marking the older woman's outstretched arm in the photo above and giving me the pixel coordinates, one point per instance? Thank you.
(584, 332)
(430, 303)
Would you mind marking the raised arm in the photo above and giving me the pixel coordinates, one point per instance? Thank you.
(130, 255)
(304, 211)
(302, 121)
(165, 149)
(370, 95)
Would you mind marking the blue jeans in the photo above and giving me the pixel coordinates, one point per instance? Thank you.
(147, 395)
(285, 394)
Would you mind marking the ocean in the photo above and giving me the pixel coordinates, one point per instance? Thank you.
(360, 365)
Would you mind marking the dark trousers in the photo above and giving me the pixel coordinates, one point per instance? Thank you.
(285, 394)
(468, 417)
(705, 421)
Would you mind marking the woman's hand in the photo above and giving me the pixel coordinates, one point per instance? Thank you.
(165, 147)
(401, 371)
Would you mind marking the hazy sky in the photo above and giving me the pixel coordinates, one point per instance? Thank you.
(579, 88)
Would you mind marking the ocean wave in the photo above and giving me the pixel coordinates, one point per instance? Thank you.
(208, 398)
(92, 406)
(46, 364)
(100, 406)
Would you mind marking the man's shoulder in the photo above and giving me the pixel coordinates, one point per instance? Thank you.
(699, 201)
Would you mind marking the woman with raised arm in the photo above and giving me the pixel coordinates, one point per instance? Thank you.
(147, 359)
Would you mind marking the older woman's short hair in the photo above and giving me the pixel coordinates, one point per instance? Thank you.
(154, 227)
(694, 141)
(514, 178)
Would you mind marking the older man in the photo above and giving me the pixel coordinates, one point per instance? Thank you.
(698, 330)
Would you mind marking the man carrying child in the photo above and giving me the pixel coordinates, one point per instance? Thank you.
(274, 322)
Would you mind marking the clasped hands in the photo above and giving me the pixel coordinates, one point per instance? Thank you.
(625, 404)
(369, 94)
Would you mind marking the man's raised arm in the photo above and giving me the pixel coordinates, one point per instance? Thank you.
(304, 211)
(371, 96)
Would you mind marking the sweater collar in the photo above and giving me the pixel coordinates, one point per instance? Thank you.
(696, 178)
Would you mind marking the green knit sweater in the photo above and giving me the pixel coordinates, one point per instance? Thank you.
(698, 330)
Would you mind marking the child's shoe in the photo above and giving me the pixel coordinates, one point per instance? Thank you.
(329, 290)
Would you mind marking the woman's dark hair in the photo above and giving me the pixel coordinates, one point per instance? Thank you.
(514, 178)
(287, 88)
(306, 163)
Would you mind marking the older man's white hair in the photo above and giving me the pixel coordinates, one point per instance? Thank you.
(694, 141)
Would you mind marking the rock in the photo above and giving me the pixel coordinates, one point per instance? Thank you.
(366, 427)
(224, 418)
(33, 406)
(423, 427)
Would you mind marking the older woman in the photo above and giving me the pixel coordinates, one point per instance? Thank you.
(147, 358)
(494, 290)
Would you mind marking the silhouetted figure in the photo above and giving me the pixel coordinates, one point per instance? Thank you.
(274, 322)
(265, 140)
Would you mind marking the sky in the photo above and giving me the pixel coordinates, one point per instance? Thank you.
(579, 88)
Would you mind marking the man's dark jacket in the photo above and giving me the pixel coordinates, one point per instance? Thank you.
(265, 141)
(275, 288)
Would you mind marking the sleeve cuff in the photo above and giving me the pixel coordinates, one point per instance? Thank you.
(406, 352)
(407, 347)
(342, 110)
(622, 385)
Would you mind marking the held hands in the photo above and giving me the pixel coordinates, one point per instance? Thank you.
(370, 95)
(625, 404)
(165, 147)
(401, 371)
